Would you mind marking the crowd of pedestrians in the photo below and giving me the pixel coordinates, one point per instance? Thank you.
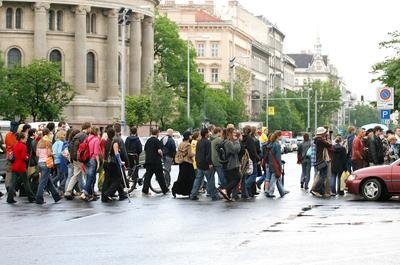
(223, 163)
(332, 157)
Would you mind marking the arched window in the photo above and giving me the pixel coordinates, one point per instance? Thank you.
(93, 23)
(9, 18)
(60, 20)
(51, 19)
(14, 57)
(55, 56)
(18, 18)
(90, 68)
(87, 23)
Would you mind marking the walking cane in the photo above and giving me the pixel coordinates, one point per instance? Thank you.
(126, 189)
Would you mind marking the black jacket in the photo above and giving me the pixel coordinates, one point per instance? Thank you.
(133, 145)
(376, 152)
(151, 149)
(251, 148)
(203, 154)
(339, 159)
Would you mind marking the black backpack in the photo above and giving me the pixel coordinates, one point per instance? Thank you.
(221, 153)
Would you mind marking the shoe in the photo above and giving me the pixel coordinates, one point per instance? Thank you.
(341, 193)
(57, 199)
(11, 201)
(333, 194)
(224, 194)
(69, 197)
(105, 198)
(1, 194)
(83, 197)
(165, 192)
(40, 202)
(270, 196)
(258, 185)
(305, 188)
(301, 186)
(316, 194)
(122, 198)
(32, 200)
(287, 192)
(194, 198)
(146, 193)
(173, 193)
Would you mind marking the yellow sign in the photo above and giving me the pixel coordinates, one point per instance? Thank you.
(271, 111)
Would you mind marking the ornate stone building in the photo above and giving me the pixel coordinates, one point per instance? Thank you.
(84, 36)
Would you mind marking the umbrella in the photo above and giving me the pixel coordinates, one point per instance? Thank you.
(373, 125)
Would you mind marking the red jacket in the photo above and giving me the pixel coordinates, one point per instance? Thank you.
(21, 156)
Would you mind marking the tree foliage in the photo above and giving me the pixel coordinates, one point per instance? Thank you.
(35, 90)
(388, 71)
(363, 114)
(137, 110)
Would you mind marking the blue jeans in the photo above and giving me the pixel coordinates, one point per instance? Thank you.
(278, 183)
(305, 172)
(90, 168)
(210, 184)
(335, 182)
(221, 177)
(320, 187)
(265, 177)
(250, 179)
(45, 181)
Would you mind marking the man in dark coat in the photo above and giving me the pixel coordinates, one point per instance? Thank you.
(204, 168)
(375, 148)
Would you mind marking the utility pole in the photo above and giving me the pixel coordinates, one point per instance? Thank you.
(124, 13)
(316, 109)
(267, 110)
(308, 110)
(231, 67)
(188, 79)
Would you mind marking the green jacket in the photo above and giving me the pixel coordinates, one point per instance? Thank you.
(214, 156)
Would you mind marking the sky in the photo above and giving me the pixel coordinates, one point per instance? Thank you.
(350, 31)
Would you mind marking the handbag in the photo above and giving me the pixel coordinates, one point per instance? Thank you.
(277, 167)
(321, 165)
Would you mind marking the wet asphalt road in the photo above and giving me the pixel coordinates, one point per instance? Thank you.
(297, 229)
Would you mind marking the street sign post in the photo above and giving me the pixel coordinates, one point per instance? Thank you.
(385, 114)
(385, 98)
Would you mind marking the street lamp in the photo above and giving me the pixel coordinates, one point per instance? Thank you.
(124, 14)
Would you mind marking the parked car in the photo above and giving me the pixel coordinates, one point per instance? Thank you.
(293, 144)
(287, 145)
(282, 147)
(299, 139)
(375, 183)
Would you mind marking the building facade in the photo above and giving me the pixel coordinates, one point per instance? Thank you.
(85, 38)
(216, 41)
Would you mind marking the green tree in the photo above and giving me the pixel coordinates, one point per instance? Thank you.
(364, 114)
(36, 90)
(162, 102)
(388, 71)
(137, 110)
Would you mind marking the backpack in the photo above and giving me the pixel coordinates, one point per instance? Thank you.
(74, 145)
(83, 154)
(221, 153)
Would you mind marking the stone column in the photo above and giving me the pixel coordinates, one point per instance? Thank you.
(39, 38)
(80, 51)
(147, 50)
(112, 56)
(135, 55)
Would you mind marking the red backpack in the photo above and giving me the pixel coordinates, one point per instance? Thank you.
(83, 153)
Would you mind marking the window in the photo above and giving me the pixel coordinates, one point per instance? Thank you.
(201, 71)
(214, 75)
(18, 18)
(90, 68)
(200, 50)
(93, 23)
(14, 57)
(55, 56)
(52, 18)
(87, 23)
(60, 20)
(9, 18)
(215, 50)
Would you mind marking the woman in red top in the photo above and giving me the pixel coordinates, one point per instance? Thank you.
(18, 169)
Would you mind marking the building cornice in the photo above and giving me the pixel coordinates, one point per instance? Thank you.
(146, 7)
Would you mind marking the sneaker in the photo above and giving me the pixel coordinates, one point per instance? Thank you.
(316, 194)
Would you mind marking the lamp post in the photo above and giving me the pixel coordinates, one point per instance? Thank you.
(124, 13)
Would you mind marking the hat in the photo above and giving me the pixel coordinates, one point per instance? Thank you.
(320, 130)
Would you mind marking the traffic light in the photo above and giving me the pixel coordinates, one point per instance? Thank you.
(232, 62)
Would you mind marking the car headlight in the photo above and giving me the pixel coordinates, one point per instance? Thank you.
(352, 177)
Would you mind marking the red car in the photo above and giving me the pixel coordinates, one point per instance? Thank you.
(376, 183)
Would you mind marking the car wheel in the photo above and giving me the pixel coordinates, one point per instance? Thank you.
(371, 190)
